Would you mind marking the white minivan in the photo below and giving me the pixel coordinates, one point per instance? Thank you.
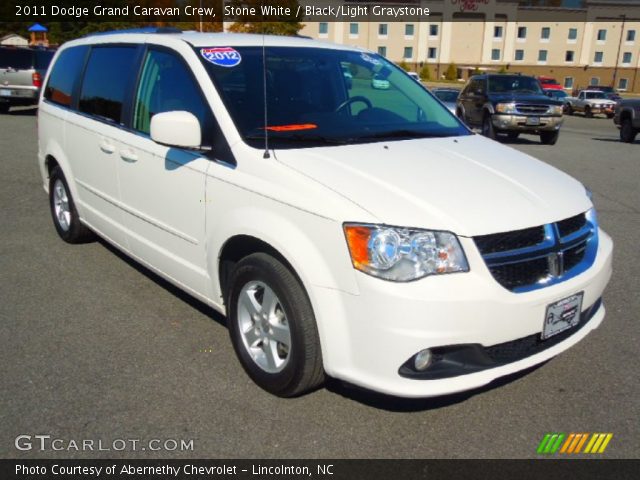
(343, 229)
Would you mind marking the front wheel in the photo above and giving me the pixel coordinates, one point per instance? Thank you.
(273, 328)
(627, 132)
(63, 210)
(587, 112)
(487, 127)
(549, 138)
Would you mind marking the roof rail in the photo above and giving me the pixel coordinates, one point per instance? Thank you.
(138, 30)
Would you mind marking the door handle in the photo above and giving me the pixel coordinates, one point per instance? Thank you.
(107, 147)
(128, 156)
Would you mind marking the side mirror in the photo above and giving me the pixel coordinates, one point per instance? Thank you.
(176, 129)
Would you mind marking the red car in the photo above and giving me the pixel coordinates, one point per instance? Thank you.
(549, 83)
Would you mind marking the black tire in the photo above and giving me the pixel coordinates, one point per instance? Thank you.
(549, 138)
(302, 370)
(487, 127)
(569, 110)
(587, 112)
(627, 132)
(513, 135)
(610, 115)
(4, 107)
(75, 231)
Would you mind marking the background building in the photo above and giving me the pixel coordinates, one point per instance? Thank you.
(598, 43)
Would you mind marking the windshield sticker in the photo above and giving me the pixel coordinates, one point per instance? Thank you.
(221, 56)
(370, 59)
(292, 127)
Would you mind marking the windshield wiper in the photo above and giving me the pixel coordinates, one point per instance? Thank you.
(402, 133)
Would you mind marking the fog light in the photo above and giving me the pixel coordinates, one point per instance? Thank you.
(422, 360)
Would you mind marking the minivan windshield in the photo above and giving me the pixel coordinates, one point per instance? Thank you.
(320, 96)
(514, 83)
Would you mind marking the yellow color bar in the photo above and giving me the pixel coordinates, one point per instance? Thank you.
(606, 441)
(594, 437)
(596, 445)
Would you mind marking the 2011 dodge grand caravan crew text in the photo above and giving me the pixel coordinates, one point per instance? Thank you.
(345, 230)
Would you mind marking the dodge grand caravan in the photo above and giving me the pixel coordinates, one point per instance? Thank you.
(343, 229)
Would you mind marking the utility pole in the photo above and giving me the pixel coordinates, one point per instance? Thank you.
(615, 69)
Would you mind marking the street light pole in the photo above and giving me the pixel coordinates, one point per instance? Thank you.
(615, 68)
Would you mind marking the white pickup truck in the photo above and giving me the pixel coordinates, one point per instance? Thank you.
(591, 102)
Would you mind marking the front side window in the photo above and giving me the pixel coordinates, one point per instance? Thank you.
(167, 85)
(63, 77)
(105, 81)
(310, 102)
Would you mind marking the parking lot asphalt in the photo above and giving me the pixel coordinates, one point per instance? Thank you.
(93, 346)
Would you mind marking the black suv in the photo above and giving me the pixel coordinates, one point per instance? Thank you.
(22, 70)
(510, 104)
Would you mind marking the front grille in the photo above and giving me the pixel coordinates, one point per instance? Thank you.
(536, 257)
(525, 108)
(500, 242)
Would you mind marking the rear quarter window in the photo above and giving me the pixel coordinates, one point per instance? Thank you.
(66, 71)
(106, 80)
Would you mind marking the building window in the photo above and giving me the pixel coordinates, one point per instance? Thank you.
(631, 35)
(433, 53)
(594, 81)
(353, 29)
(497, 32)
(382, 51)
(623, 83)
(568, 56)
(522, 32)
(568, 82)
(545, 33)
(433, 30)
(323, 28)
(495, 54)
(573, 34)
(519, 56)
(408, 53)
(542, 55)
(408, 30)
(602, 35)
(597, 58)
(383, 29)
(626, 57)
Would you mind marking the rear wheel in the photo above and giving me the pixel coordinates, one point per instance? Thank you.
(587, 112)
(549, 138)
(63, 211)
(568, 109)
(487, 127)
(272, 327)
(627, 132)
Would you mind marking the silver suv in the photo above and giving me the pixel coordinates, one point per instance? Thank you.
(21, 73)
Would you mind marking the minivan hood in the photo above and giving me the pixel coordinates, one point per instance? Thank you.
(468, 185)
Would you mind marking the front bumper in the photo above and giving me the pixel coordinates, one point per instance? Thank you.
(522, 123)
(366, 338)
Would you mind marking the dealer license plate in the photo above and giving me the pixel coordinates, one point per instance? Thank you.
(5, 93)
(562, 315)
(533, 121)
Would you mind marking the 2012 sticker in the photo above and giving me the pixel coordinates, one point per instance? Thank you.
(221, 56)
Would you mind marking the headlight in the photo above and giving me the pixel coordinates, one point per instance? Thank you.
(506, 108)
(555, 110)
(403, 254)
